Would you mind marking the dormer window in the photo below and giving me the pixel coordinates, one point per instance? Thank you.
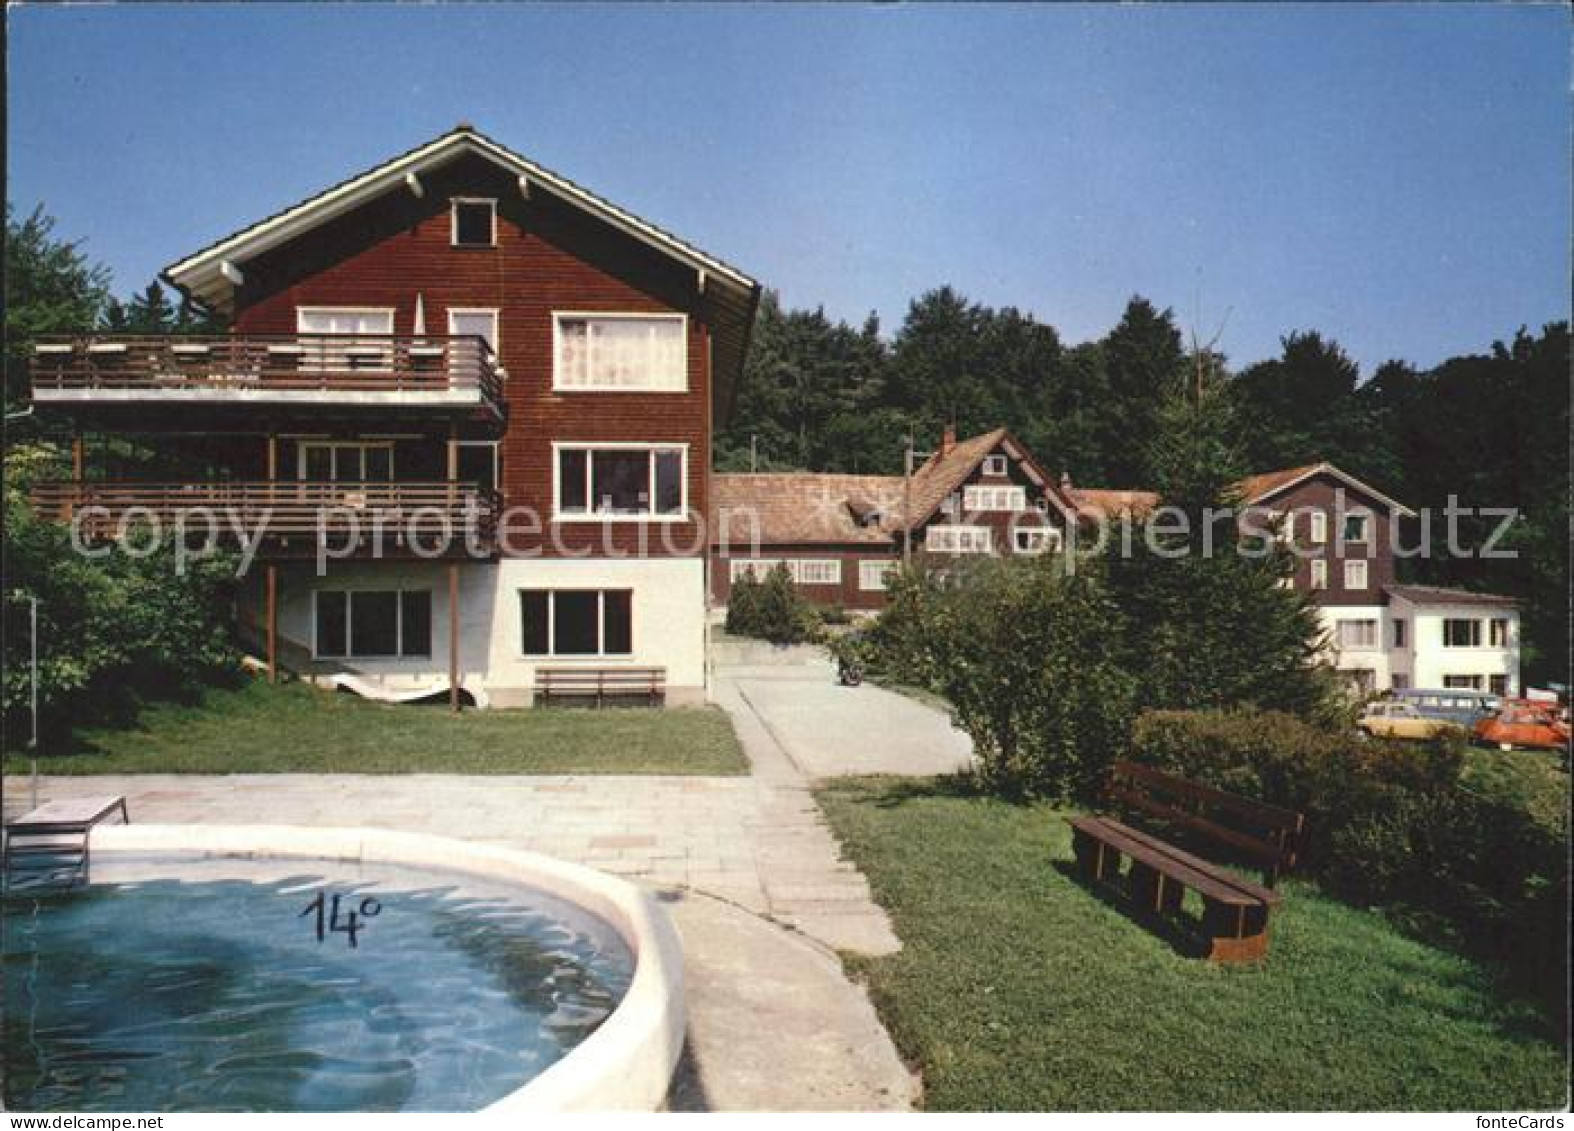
(474, 222)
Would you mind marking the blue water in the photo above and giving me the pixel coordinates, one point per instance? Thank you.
(215, 994)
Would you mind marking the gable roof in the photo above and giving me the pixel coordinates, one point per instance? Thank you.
(945, 471)
(805, 507)
(1260, 488)
(732, 296)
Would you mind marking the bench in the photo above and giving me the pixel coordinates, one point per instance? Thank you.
(601, 684)
(1235, 911)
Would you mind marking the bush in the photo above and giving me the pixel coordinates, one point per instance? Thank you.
(113, 630)
(1390, 824)
(1021, 650)
(771, 609)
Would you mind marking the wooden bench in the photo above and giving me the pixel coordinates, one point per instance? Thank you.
(1235, 910)
(601, 684)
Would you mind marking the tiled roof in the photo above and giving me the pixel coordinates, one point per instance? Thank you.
(1435, 595)
(804, 506)
(1254, 487)
(1114, 504)
(945, 471)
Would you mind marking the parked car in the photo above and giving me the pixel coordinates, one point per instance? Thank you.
(1402, 720)
(1524, 723)
(1460, 705)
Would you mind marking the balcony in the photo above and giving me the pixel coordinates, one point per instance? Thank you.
(361, 374)
(285, 517)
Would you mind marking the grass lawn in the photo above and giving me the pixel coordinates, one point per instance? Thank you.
(297, 728)
(1019, 989)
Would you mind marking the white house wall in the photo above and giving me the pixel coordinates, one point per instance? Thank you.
(1433, 661)
(668, 619)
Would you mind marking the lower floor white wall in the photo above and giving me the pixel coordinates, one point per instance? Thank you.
(1421, 657)
(667, 609)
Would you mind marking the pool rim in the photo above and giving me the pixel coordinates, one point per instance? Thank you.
(625, 1065)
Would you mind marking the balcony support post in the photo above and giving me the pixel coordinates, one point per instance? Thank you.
(453, 637)
(272, 615)
(273, 457)
(78, 464)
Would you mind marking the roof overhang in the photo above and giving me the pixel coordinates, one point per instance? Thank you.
(211, 274)
(1344, 477)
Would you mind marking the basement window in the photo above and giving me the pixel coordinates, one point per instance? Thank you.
(577, 622)
(474, 223)
(372, 623)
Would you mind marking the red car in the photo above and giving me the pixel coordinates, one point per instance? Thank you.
(1524, 722)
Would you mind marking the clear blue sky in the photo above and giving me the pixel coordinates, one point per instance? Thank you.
(1396, 176)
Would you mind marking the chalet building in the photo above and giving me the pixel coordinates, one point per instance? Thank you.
(841, 534)
(474, 403)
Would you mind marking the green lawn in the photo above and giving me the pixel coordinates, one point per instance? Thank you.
(1019, 989)
(297, 728)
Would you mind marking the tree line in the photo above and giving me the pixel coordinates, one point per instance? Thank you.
(1489, 429)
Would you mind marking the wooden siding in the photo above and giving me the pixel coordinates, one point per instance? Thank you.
(1000, 523)
(1320, 493)
(846, 595)
(548, 258)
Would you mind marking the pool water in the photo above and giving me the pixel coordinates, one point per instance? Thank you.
(214, 992)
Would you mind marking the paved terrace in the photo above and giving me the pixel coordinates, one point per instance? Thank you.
(774, 1024)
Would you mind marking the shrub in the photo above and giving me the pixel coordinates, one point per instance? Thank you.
(113, 630)
(771, 609)
(1390, 824)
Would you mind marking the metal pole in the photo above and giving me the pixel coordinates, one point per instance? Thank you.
(32, 742)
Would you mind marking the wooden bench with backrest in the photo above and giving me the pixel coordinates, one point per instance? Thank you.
(601, 684)
(1235, 910)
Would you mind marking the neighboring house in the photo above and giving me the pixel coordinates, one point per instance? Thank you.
(457, 338)
(841, 535)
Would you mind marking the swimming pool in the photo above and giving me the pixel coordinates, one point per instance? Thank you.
(241, 979)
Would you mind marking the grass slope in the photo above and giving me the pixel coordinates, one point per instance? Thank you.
(297, 728)
(1018, 989)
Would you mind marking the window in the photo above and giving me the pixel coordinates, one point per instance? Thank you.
(372, 623)
(363, 327)
(1355, 527)
(1319, 573)
(826, 571)
(621, 353)
(1459, 632)
(1400, 628)
(1399, 681)
(621, 482)
(479, 323)
(474, 223)
(354, 462)
(1355, 575)
(1497, 632)
(576, 622)
(1035, 539)
(872, 575)
(1319, 523)
(1498, 684)
(1472, 682)
(1357, 633)
(994, 499)
(994, 465)
(803, 571)
(959, 540)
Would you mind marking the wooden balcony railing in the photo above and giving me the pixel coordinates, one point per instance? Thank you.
(298, 511)
(318, 368)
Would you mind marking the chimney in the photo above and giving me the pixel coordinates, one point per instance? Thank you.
(948, 440)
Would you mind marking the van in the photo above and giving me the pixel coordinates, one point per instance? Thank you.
(1460, 705)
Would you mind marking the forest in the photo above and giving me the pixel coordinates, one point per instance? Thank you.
(1489, 429)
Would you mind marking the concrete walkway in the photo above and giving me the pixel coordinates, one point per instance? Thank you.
(828, 730)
